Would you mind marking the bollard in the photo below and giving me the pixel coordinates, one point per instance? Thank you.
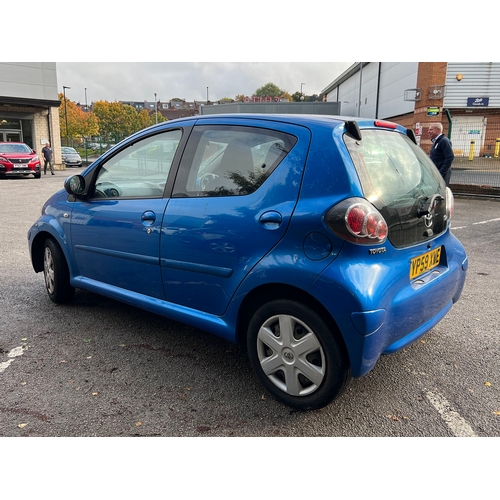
(497, 148)
(471, 152)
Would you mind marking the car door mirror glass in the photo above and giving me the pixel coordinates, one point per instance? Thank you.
(75, 185)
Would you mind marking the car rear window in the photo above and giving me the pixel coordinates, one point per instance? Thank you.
(397, 177)
(392, 168)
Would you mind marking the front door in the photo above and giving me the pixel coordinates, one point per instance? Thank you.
(116, 233)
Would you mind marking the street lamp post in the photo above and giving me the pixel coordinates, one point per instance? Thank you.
(156, 110)
(86, 106)
(301, 94)
(66, 113)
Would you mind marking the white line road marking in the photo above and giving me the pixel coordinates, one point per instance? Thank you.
(485, 221)
(475, 224)
(13, 353)
(455, 422)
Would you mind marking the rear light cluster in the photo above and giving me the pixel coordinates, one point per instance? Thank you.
(358, 221)
(450, 203)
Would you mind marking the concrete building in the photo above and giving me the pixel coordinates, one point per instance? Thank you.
(29, 105)
(463, 96)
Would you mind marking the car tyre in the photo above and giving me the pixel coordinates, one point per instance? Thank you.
(38, 175)
(296, 355)
(56, 273)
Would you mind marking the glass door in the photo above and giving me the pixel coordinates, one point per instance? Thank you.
(10, 136)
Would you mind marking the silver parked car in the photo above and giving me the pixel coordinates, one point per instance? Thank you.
(70, 157)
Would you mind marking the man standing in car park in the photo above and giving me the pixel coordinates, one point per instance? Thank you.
(47, 156)
(441, 152)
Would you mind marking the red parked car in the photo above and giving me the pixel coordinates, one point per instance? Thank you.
(17, 158)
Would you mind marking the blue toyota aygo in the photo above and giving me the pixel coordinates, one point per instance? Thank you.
(317, 242)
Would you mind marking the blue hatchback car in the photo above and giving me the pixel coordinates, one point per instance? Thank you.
(318, 242)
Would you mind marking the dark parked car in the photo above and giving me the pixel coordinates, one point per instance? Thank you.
(70, 157)
(317, 242)
(17, 158)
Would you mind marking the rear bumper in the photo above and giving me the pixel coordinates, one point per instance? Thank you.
(379, 310)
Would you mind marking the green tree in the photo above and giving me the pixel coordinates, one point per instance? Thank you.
(116, 120)
(269, 89)
(156, 117)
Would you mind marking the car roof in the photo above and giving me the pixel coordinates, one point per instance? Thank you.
(308, 120)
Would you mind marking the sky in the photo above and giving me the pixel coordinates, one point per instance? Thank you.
(139, 81)
(129, 52)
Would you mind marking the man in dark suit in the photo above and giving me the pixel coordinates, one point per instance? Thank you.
(441, 151)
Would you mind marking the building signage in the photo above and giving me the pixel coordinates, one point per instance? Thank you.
(255, 98)
(478, 101)
(433, 110)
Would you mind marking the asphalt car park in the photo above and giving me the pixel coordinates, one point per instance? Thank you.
(97, 367)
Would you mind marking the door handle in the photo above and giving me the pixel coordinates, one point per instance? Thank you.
(148, 217)
(271, 219)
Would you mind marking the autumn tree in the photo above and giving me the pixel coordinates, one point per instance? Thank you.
(143, 119)
(80, 124)
(116, 120)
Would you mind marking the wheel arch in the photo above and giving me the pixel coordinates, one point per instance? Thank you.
(266, 293)
(38, 243)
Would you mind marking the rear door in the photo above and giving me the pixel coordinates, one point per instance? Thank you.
(232, 201)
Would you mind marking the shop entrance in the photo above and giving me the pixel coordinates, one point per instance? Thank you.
(466, 129)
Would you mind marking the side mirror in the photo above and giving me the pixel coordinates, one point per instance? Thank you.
(75, 185)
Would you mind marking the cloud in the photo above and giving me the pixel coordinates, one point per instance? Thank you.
(138, 81)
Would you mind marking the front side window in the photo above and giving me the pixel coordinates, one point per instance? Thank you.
(229, 160)
(139, 171)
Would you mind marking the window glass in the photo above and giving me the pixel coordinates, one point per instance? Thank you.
(230, 161)
(139, 171)
(391, 168)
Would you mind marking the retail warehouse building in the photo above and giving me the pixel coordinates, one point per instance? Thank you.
(463, 96)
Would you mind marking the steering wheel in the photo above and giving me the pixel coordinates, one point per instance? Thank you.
(205, 179)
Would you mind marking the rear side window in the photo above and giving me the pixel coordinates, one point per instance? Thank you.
(229, 160)
(391, 168)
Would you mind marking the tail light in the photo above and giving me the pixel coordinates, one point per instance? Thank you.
(357, 220)
(450, 203)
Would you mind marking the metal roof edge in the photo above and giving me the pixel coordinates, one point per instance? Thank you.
(343, 77)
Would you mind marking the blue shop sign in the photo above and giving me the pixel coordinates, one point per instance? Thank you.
(478, 101)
